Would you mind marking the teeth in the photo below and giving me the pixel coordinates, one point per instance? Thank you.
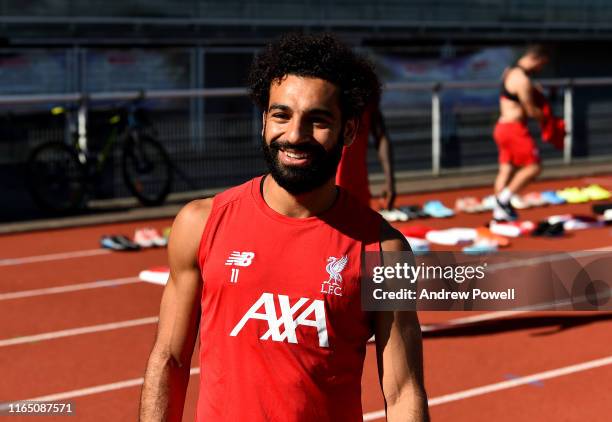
(296, 156)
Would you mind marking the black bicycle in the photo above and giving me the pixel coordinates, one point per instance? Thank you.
(60, 174)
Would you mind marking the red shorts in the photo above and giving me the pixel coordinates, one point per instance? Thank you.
(515, 144)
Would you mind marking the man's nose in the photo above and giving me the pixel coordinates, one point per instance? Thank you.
(298, 130)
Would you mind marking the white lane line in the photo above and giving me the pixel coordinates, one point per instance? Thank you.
(461, 395)
(92, 390)
(52, 257)
(78, 331)
(553, 373)
(486, 316)
(490, 388)
(68, 288)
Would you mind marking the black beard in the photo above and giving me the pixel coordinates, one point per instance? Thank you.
(299, 180)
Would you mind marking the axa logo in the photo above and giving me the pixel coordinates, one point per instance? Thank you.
(239, 259)
(334, 267)
(283, 327)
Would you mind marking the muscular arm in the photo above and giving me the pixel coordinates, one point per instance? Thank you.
(524, 90)
(399, 353)
(167, 374)
(385, 156)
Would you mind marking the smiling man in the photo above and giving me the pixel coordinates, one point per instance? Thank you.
(268, 271)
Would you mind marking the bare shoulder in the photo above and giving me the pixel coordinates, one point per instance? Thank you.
(517, 76)
(187, 228)
(194, 212)
(392, 240)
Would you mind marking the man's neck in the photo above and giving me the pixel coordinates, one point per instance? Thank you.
(299, 206)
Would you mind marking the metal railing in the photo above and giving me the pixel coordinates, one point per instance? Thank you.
(436, 109)
(534, 13)
(220, 148)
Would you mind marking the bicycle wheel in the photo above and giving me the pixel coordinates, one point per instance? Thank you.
(147, 170)
(55, 177)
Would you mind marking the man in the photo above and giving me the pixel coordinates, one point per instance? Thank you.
(269, 270)
(519, 159)
(352, 172)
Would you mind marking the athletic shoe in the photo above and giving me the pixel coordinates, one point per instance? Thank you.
(127, 243)
(546, 229)
(488, 203)
(555, 230)
(394, 215)
(552, 198)
(149, 237)
(554, 219)
(517, 202)
(418, 246)
(534, 199)
(118, 243)
(413, 212)
(108, 242)
(601, 208)
(481, 247)
(158, 239)
(596, 192)
(573, 195)
(606, 218)
(142, 238)
(504, 212)
(581, 224)
(437, 210)
(468, 204)
(541, 228)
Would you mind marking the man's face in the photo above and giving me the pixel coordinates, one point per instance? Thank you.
(303, 133)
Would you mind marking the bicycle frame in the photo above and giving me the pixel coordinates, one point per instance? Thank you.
(133, 127)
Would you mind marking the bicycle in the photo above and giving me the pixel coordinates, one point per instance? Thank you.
(59, 174)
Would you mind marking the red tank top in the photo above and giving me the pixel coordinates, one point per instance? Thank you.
(352, 172)
(282, 333)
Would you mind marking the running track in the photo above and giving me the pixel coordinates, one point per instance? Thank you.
(78, 326)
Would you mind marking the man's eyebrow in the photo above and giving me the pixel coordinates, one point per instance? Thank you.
(281, 107)
(315, 111)
(321, 111)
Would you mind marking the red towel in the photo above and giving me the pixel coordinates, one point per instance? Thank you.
(553, 128)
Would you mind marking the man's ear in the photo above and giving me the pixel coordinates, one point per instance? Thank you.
(350, 131)
(263, 124)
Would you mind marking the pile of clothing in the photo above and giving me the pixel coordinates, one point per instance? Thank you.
(570, 195)
(472, 204)
(488, 239)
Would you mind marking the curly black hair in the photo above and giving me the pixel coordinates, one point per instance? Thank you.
(320, 56)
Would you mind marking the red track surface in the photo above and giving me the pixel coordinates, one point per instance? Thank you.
(457, 359)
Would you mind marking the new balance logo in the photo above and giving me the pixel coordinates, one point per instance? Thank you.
(239, 259)
(316, 308)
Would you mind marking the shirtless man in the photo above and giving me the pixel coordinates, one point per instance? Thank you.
(519, 158)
